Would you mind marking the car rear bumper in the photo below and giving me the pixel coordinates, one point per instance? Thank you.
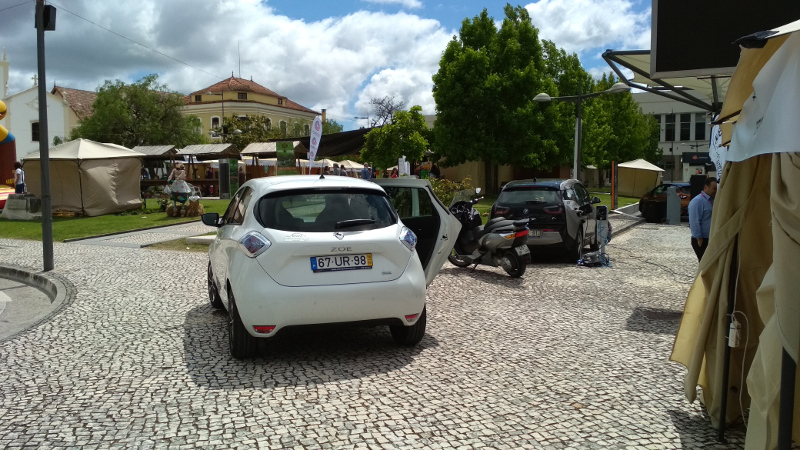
(262, 301)
(546, 238)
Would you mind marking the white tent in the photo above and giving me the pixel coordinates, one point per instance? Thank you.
(638, 177)
(88, 177)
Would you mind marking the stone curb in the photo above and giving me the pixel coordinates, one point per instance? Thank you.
(126, 232)
(61, 292)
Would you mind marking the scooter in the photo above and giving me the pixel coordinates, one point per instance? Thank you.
(501, 243)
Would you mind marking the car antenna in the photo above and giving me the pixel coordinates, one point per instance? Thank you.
(322, 176)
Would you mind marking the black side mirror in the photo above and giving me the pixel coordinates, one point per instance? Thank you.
(211, 219)
(596, 200)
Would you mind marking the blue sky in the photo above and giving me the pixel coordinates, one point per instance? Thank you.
(331, 54)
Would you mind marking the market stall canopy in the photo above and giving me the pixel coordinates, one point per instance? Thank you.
(269, 149)
(351, 165)
(84, 149)
(637, 177)
(90, 178)
(705, 92)
(203, 152)
(165, 151)
(336, 144)
(640, 164)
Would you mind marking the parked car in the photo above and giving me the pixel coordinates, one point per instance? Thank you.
(301, 250)
(561, 214)
(653, 204)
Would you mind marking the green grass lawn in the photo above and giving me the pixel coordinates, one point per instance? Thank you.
(79, 227)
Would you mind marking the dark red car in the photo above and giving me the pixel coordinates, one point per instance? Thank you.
(653, 205)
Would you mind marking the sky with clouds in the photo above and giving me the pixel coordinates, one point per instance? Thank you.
(327, 54)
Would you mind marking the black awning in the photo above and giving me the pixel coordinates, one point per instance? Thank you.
(336, 144)
(696, 158)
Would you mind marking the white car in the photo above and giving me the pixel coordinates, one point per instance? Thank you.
(301, 250)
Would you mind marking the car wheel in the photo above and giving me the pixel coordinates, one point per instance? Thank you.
(213, 294)
(457, 260)
(575, 249)
(241, 344)
(513, 264)
(410, 336)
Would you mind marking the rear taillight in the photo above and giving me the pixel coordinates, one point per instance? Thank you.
(254, 244)
(408, 238)
(263, 329)
(521, 233)
(557, 209)
(498, 211)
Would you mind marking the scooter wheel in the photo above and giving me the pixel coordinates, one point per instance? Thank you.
(513, 264)
(457, 260)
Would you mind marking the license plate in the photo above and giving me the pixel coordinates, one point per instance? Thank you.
(535, 233)
(522, 250)
(341, 262)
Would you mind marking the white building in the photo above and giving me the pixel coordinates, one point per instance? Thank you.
(22, 119)
(685, 134)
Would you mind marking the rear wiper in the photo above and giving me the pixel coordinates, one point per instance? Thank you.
(535, 202)
(353, 223)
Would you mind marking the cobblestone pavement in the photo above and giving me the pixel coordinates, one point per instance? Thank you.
(565, 357)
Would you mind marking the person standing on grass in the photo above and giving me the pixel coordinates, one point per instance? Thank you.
(366, 173)
(700, 217)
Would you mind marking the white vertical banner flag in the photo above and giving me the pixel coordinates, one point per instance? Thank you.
(316, 136)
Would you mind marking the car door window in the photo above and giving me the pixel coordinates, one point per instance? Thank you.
(570, 194)
(410, 202)
(228, 216)
(241, 206)
(583, 196)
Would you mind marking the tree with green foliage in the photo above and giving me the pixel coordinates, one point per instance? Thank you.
(403, 136)
(615, 129)
(331, 126)
(484, 93)
(142, 113)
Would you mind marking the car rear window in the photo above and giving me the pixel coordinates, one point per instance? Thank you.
(325, 210)
(522, 196)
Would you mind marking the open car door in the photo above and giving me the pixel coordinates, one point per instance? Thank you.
(423, 213)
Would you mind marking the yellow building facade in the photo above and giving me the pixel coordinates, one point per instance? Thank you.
(239, 97)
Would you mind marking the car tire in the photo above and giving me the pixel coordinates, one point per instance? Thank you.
(515, 265)
(410, 336)
(213, 293)
(241, 344)
(575, 249)
(457, 260)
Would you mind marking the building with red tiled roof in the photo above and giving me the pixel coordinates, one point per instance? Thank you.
(239, 97)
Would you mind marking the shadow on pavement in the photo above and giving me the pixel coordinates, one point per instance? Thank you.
(697, 432)
(654, 320)
(487, 274)
(295, 357)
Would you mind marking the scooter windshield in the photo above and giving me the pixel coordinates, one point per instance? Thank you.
(462, 196)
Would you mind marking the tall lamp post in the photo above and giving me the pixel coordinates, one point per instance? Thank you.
(221, 119)
(615, 89)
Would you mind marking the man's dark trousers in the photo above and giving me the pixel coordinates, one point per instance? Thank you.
(698, 249)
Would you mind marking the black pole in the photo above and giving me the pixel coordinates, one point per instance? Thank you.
(44, 150)
(580, 135)
(726, 365)
(786, 411)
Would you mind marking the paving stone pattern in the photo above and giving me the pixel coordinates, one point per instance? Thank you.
(565, 357)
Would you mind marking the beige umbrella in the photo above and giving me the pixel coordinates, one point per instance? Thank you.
(756, 229)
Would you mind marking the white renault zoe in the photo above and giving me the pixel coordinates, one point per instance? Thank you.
(301, 250)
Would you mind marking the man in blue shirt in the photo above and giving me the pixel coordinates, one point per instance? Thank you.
(365, 172)
(700, 217)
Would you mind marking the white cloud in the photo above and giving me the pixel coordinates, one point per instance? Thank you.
(322, 64)
(405, 3)
(583, 26)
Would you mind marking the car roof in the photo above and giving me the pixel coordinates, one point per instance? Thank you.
(266, 185)
(545, 184)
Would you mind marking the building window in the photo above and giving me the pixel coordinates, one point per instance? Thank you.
(280, 101)
(669, 127)
(198, 98)
(35, 131)
(686, 127)
(283, 128)
(214, 122)
(242, 95)
(306, 130)
(268, 124)
(700, 127)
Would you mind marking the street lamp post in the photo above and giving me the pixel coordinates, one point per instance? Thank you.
(222, 119)
(578, 99)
